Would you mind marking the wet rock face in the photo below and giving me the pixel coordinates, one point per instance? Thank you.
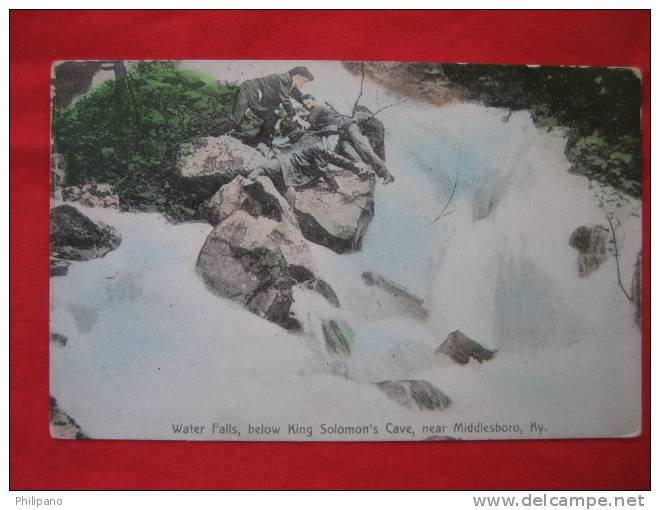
(415, 394)
(242, 260)
(323, 288)
(92, 195)
(59, 267)
(257, 197)
(62, 426)
(591, 243)
(338, 337)
(336, 219)
(222, 157)
(408, 303)
(461, 348)
(636, 290)
(73, 236)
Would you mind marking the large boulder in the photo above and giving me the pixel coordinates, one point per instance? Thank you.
(336, 219)
(591, 243)
(255, 261)
(221, 157)
(461, 348)
(74, 236)
(415, 394)
(62, 426)
(258, 197)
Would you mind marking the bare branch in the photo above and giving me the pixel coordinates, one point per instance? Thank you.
(385, 108)
(616, 257)
(361, 90)
(451, 197)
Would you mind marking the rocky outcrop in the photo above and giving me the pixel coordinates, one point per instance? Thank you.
(415, 394)
(58, 339)
(424, 81)
(338, 336)
(62, 426)
(636, 290)
(245, 259)
(59, 267)
(257, 197)
(336, 219)
(322, 287)
(406, 302)
(220, 157)
(461, 348)
(92, 195)
(591, 243)
(73, 236)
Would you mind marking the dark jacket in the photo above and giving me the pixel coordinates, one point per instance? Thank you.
(308, 160)
(322, 116)
(266, 94)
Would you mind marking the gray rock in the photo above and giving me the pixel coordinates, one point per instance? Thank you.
(92, 195)
(242, 260)
(415, 394)
(461, 348)
(258, 197)
(421, 81)
(338, 336)
(59, 267)
(62, 426)
(591, 243)
(73, 236)
(636, 289)
(336, 219)
(323, 288)
(407, 302)
(223, 157)
(58, 339)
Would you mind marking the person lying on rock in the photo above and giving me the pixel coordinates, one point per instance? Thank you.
(352, 143)
(264, 95)
(308, 161)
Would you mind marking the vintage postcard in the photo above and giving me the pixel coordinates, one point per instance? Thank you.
(344, 251)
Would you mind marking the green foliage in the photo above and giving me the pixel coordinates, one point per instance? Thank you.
(599, 106)
(128, 133)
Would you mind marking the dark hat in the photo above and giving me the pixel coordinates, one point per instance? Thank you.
(302, 71)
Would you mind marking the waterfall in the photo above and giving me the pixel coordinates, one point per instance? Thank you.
(158, 348)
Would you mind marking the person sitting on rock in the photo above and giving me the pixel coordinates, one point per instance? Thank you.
(264, 95)
(353, 143)
(308, 161)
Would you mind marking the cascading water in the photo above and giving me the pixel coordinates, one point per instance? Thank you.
(150, 346)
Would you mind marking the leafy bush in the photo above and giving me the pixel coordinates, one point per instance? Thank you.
(128, 133)
(599, 106)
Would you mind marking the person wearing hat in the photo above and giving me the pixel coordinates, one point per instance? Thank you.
(264, 95)
(308, 161)
(353, 143)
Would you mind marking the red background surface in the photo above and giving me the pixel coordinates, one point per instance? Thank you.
(37, 38)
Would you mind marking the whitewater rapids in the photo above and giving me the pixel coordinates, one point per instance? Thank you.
(149, 346)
